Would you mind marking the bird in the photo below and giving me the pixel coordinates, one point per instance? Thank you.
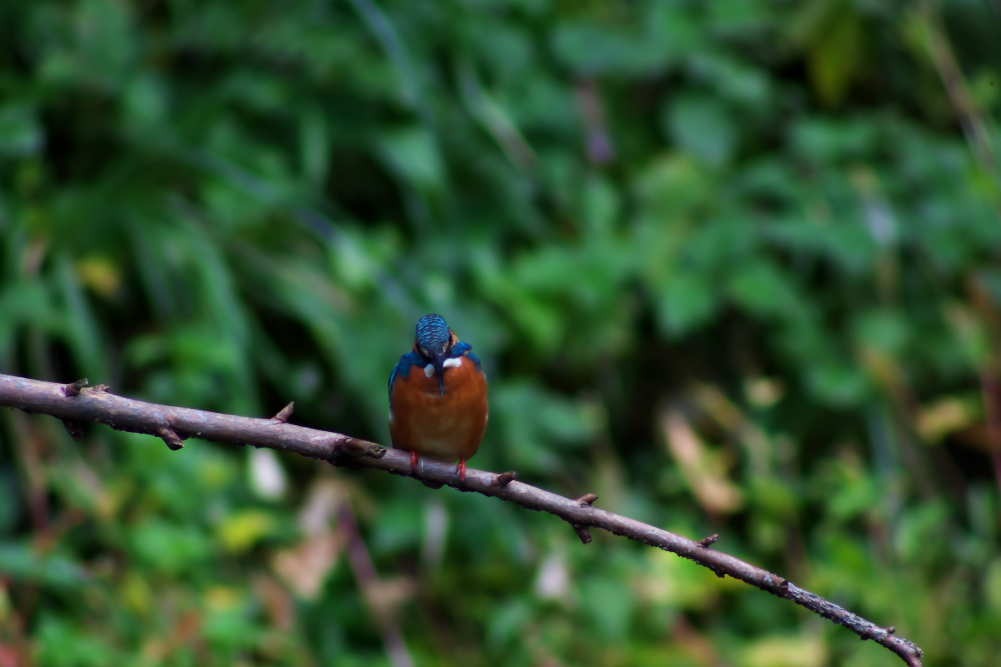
(438, 397)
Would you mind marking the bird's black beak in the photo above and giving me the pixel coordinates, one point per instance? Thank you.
(438, 362)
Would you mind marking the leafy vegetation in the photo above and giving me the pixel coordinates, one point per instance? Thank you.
(732, 266)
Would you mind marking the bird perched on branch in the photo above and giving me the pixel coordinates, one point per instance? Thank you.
(438, 397)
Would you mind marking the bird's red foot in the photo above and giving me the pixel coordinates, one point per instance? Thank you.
(462, 469)
(413, 463)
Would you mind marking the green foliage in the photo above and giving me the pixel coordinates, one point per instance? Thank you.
(731, 266)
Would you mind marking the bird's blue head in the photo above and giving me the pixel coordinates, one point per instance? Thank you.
(433, 341)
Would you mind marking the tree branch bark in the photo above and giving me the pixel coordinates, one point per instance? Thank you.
(174, 424)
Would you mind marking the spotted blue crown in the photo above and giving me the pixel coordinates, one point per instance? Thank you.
(432, 334)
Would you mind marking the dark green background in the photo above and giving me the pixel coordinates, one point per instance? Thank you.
(733, 266)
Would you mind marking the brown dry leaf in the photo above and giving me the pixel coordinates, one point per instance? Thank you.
(305, 567)
(725, 413)
(157, 649)
(320, 506)
(936, 420)
(786, 652)
(720, 408)
(882, 368)
(88, 488)
(703, 470)
(764, 392)
(153, 651)
(99, 274)
(387, 595)
(276, 600)
(976, 436)
(186, 628)
(694, 643)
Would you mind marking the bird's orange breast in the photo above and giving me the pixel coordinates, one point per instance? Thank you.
(446, 426)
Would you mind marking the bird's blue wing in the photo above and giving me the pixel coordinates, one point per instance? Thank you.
(402, 368)
(460, 349)
(476, 361)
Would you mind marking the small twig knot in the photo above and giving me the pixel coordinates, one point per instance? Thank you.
(74, 388)
(582, 532)
(170, 437)
(505, 478)
(706, 541)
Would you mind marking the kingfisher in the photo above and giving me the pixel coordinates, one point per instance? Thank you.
(438, 397)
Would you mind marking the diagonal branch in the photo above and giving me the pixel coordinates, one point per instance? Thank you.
(97, 405)
(369, 583)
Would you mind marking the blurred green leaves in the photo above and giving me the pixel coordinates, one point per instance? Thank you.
(20, 562)
(65, 645)
(20, 132)
(701, 126)
(169, 547)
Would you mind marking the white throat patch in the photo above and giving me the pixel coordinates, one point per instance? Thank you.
(449, 363)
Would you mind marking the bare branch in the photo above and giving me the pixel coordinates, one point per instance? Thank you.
(138, 417)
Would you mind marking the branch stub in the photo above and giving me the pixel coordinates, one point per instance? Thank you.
(285, 413)
(504, 478)
(582, 532)
(706, 541)
(171, 438)
(73, 389)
